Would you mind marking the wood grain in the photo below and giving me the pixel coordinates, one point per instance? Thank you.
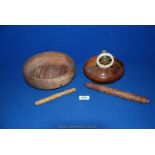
(101, 75)
(118, 93)
(49, 70)
(54, 96)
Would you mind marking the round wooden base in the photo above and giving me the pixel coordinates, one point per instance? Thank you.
(101, 75)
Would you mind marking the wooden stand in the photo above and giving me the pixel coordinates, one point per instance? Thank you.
(103, 75)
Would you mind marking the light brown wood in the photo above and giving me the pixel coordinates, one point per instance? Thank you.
(49, 70)
(57, 95)
(118, 93)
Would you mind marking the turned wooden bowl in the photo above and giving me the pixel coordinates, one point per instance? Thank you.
(103, 75)
(49, 70)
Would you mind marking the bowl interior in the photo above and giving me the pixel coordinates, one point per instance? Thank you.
(48, 65)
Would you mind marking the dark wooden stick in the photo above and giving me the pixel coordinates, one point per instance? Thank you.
(118, 93)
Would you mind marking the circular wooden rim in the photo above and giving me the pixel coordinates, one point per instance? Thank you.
(36, 55)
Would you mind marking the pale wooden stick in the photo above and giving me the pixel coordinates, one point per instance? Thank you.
(57, 95)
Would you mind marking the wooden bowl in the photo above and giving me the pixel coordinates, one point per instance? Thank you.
(101, 75)
(49, 70)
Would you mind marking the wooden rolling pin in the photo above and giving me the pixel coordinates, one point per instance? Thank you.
(57, 95)
(118, 93)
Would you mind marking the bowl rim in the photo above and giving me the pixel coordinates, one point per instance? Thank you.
(46, 52)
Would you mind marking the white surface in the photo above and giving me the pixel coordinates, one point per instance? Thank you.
(94, 12)
(77, 142)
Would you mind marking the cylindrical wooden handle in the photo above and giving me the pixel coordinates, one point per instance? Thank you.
(119, 93)
(57, 95)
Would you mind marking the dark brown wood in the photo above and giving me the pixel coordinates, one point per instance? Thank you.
(100, 75)
(118, 93)
(49, 70)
